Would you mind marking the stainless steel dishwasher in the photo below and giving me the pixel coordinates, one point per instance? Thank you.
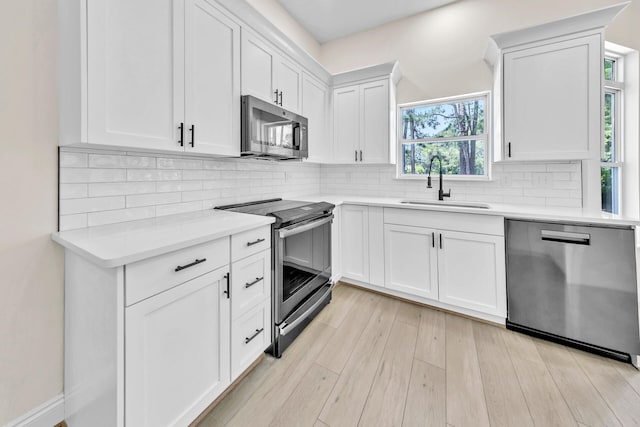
(574, 284)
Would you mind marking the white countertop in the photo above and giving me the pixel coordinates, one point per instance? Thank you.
(119, 244)
(508, 211)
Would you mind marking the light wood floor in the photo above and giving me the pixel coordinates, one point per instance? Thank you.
(368, 360)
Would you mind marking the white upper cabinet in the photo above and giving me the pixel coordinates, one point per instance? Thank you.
(315, 105)
(134, 73)
(268, 75)
(212, 81)
(152, 75)
(552, 100)
(548, 88)
(364, 115)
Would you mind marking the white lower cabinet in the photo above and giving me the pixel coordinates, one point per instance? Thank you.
(250, 336)
(471, 271)
(411, 260)
(452, 260)
(177, 352)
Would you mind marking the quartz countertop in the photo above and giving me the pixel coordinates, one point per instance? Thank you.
(540, 213)
(123, 243)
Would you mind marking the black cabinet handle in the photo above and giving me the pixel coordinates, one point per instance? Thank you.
(193, 135)
(226, 276)
(196, 262)
(255, 242)
(276, 92)
(440, 241)
(281, 98)
(181, 141)
(360, 155)
(433, 239)
(356, 152)
(258, 279)
(509, 147)
(249, 339)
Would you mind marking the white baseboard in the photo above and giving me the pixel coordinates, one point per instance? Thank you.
(48, 414)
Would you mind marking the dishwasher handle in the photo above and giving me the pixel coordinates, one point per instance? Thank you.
(565, 237)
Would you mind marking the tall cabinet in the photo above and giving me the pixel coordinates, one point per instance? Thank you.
(170, 81)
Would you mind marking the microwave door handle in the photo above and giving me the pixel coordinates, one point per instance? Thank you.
(296, 136)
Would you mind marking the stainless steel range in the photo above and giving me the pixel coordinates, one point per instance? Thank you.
(300, 263)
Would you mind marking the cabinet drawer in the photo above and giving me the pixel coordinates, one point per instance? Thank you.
(250, 281)
(472, 223)
(250, 242)
(154, 275)
(250, 336)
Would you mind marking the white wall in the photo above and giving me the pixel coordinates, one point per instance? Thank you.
(31, 291)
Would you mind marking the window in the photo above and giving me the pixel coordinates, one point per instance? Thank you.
(454, 128)
(611, 158)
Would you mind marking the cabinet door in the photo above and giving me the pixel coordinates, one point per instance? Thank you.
(336, 245)
(288, 80)
(410, 260)
(314, 108)
(375, 114)
(355, 242)
(258, 67)
(471, 271)
(212, 102)
(346, 119)
(177, 352)
(135, 82)
(552, 100)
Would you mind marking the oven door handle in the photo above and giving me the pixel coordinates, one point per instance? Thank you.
(292, 231)
(285, 328)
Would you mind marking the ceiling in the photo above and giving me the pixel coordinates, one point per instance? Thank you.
(331, 19)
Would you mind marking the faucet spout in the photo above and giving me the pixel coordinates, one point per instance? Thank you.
(441, 193)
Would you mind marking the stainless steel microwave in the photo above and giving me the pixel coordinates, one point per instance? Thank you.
(268, 131)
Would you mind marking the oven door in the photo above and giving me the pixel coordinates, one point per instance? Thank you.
(302, 263)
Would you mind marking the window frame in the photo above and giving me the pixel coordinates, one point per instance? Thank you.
(615, 87)
(487, 136)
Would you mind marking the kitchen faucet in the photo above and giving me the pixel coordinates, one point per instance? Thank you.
(441, 193)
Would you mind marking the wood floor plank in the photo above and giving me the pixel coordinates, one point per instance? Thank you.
(305, 402)
(339, 348)
(546, 404)
(346, 401)
(505, 401)
(585, 403)
(619, 395)
(409, 313)
(285, 376)
(238, 397)
(426, 403)
(341, 302)
(430, 347)
(386, 401)
(320, 424)
(466, 404)
(630, 374)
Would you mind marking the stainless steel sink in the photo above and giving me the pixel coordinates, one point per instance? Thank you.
(452, 204)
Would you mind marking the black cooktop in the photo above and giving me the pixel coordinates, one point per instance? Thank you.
(286, 212)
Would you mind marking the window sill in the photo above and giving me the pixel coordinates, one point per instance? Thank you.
(460, 178)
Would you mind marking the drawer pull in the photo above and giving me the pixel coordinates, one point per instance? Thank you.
(255, 242)
(196, 262)
(248, 340)
(258, 279)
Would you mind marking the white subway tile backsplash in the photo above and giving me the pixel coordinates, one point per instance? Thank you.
(153, 175)
(122, 215)
(73, 191)
(177, 208)
(138, 200)
(73, 222)
(117, 186)
(120, 161)
(92, 204)
(73, 160)
(86, 175)
(121, 188)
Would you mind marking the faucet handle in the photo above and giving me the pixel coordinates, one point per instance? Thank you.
(429, 182)
(447, 194)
